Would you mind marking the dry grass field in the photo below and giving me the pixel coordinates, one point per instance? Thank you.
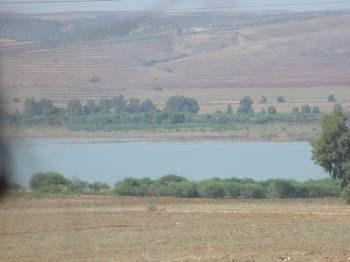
(92, 228)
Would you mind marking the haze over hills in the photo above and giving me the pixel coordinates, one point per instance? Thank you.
(216, 57)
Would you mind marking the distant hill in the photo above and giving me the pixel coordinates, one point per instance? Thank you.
(57, 55)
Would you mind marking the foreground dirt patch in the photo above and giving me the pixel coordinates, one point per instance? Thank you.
(164, 229)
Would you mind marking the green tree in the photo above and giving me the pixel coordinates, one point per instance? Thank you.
(331, 98)
(245, 105)
(119, 104)
(182, 104)
(316, 110)
(281, 99)
(280, 188)
(263, 100)
(31, 107)
(332, 149)
(49, 182)
(90, 107)
(271, 110)
(148, 106)
(105, 105)
(229, 110)
(46, 107)
(74, 108)
(295, 110)
(305, 109)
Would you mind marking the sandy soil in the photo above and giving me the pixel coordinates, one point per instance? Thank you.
(90, 228)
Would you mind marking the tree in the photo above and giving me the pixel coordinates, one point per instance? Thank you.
(90, 107)
(305, 109)
(229, 110)
(316, 110)
(98, 187)
(119, 104)
(46, 107)
(332, 149)
(31, 107)
(74, 108)
(281, 189)
(263, 100)
(133, 105)
(48, 182)
(281, 99)
(331, 98)
(105, 105)
(295, 110)
(271, 110)
(148, 106)
(245, 105)
(182, 104)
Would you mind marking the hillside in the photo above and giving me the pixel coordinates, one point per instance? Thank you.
(215, 57)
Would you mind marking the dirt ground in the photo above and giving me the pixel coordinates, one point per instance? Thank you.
(91, 228)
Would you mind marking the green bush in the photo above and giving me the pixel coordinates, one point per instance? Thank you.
(49, 182)
(281, 189)
(212, 190)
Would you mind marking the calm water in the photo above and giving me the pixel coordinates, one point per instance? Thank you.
(132, 5)
(109, 161)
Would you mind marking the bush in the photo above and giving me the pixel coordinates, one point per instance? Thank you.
(245, 106)
(263, 100)
(271, 110)
(295, 110)
(281, 99)
(281, 189)
(331, 98)
(252, 191)
(49, 182)
(182, 104)
(316, 110)
(306, 109)
(213, 190)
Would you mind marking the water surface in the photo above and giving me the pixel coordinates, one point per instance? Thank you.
(109, 161)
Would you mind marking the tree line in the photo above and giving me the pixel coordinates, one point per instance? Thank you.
(118, 113)
(177, 186)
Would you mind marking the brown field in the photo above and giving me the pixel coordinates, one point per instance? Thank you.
(91, 228)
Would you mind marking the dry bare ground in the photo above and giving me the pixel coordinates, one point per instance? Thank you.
(91, 228)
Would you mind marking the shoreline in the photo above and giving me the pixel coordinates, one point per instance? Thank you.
(269, 133)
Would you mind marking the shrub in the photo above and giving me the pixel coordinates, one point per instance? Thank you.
(281, 99)
(245, 106)
(271, 110)
(316, 110)
(213, 190)
(263, 100)
(281, 189)
(252, 191)
(306, 109)
(182, 104)
(49, 182)
(295, 110)
(331, 98)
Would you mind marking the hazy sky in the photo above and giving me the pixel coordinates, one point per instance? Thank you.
(123, 5)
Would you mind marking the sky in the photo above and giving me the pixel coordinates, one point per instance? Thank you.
(141, 5)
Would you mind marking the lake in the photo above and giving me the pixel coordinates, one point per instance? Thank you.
(110, 160)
